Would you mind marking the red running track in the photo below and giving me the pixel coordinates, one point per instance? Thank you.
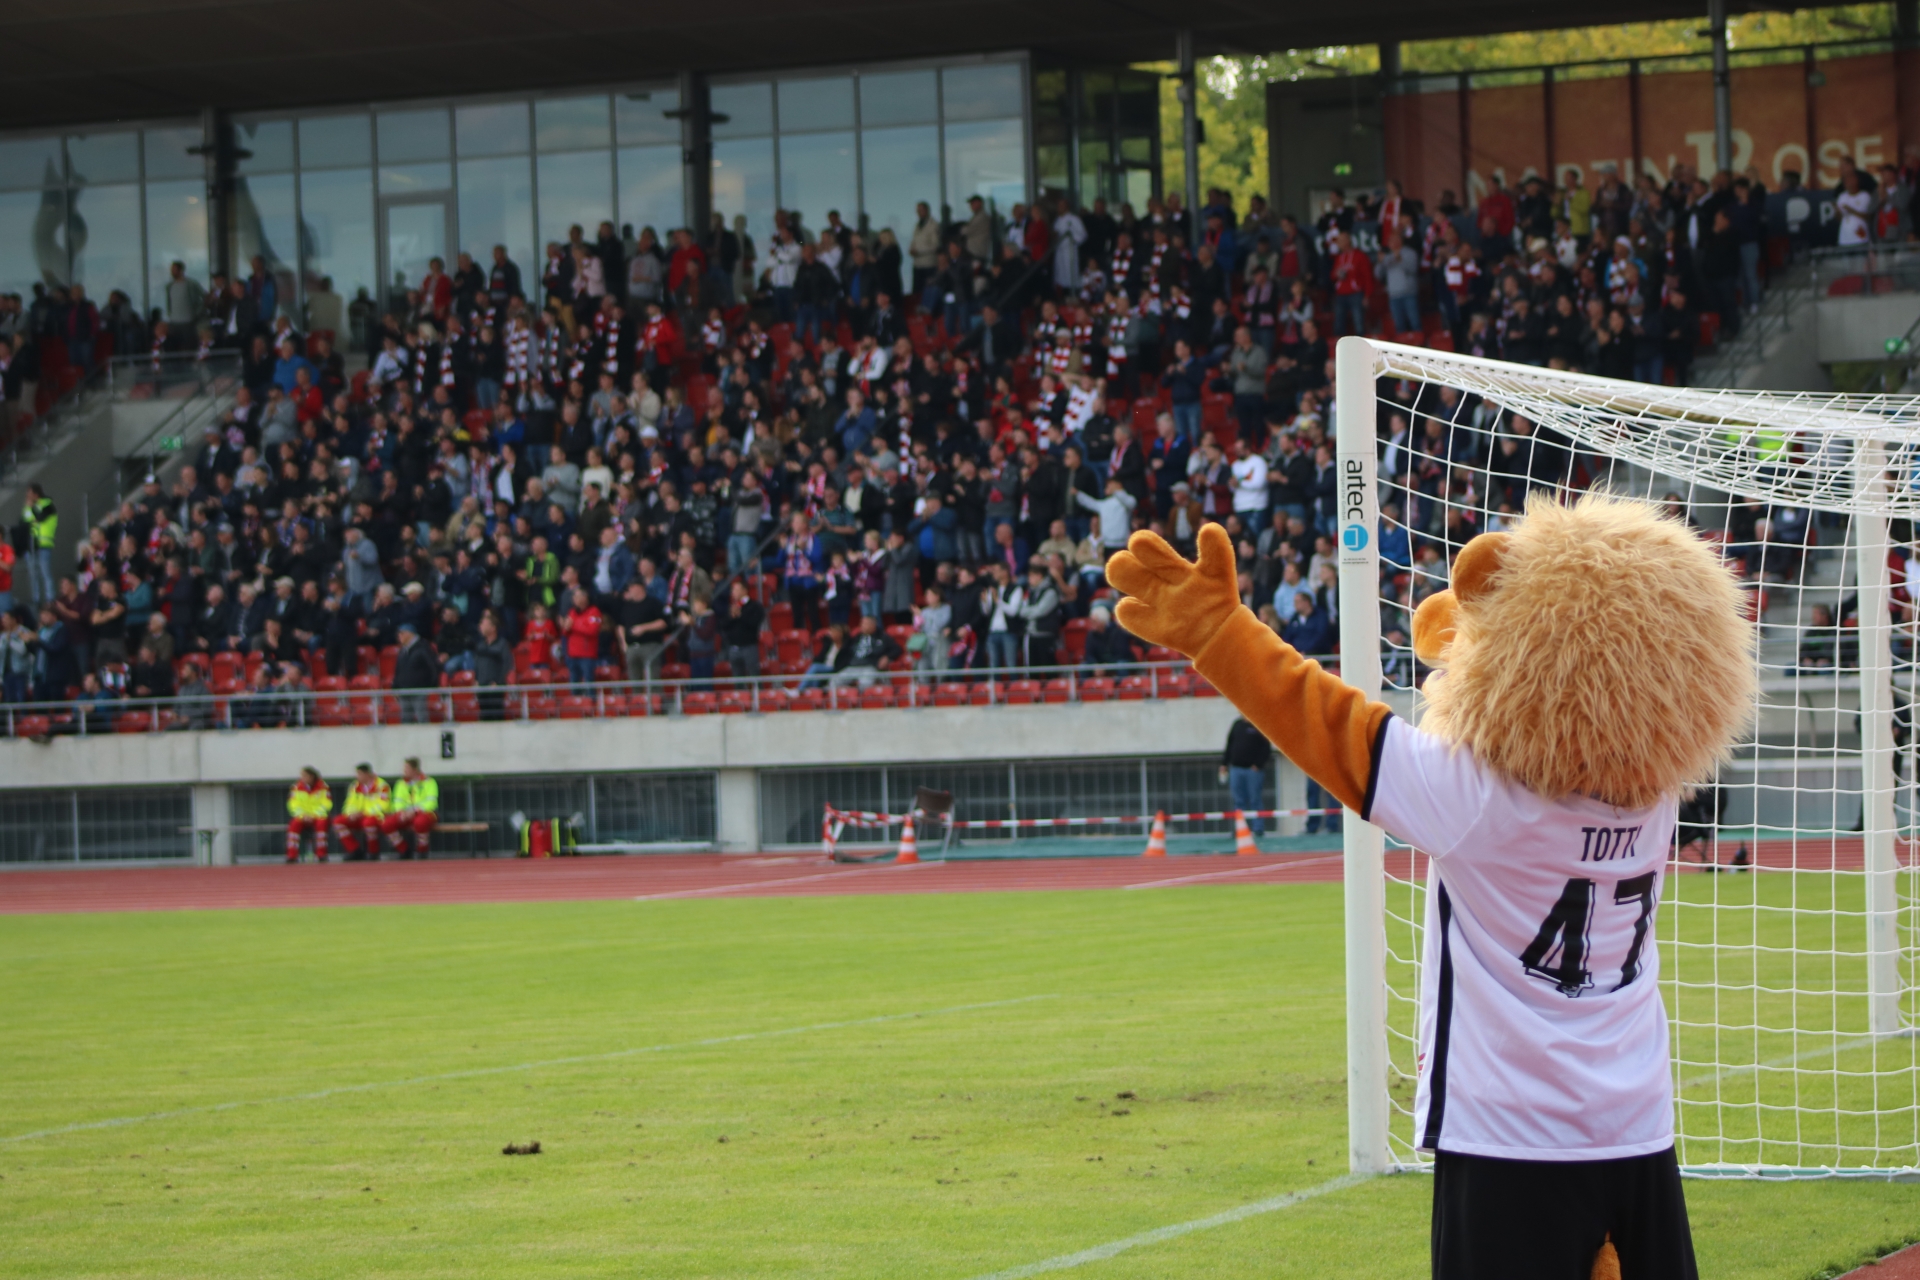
(649, 877)
(1904, 1265)
(36, 890)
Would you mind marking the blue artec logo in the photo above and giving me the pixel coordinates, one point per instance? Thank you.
(1354, 537)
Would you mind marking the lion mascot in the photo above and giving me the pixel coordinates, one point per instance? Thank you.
(1596, 667)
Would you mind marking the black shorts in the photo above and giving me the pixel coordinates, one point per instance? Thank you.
(1545, 1220)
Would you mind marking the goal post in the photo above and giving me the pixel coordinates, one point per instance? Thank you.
(1789, 927)
(1356, 463)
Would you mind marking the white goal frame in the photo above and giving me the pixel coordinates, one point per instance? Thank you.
(1878, 427)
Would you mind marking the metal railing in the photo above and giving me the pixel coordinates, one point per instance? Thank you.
(38, 435)
(850, 689)
(1847, 270)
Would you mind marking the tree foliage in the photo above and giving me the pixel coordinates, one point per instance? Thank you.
(1233, 91)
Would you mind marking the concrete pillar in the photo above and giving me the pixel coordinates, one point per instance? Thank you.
(1722, 86)
(213, 812)
(737, 824)
(1190, 130)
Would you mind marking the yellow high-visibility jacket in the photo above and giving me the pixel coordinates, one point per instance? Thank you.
(423, 795)
(305, 803)
(371, 801)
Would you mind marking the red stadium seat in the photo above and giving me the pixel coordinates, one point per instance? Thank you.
(1058, 689)
(1023, 691)
(699, 704)
(877, 697)
(1097, 689)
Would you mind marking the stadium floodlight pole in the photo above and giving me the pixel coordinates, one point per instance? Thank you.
(1877, 781)
(1356, 464)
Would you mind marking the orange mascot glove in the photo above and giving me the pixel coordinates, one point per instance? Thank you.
(1317, 720)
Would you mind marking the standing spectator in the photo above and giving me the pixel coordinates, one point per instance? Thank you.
(741, 630)
(640, 626)
(582, 625)
(1352, 286)
(1247, 361)
(185, 300)
(43, 529)
(492, 663)
(1400, 268)
(414, 669)
(1243, 767)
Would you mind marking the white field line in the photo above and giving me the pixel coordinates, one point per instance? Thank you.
(119, 1121)
(717, 889)
(1101, 1252)
(1237, 871)
(1791, 1059)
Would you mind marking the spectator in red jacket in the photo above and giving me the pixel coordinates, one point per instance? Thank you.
(1497, 206)
(582, 626)
(1352, 286)
(436, 289)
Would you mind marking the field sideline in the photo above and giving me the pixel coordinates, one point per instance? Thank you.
(927, 1084)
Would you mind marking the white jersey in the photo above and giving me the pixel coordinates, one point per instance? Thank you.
(1541, 1026)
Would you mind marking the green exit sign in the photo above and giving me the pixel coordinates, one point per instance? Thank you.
(169, 444)
(1343, 170)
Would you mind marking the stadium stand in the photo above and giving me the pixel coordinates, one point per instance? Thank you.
(709, 476)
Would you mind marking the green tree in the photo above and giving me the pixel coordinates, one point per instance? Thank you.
(1233, 91)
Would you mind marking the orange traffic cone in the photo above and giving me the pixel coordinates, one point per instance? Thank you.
(908, 851)
(1243, 844)
(1157, 839)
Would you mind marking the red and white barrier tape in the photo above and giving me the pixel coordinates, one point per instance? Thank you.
(837, 820)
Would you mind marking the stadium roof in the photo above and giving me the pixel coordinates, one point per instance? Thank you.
(89, 60)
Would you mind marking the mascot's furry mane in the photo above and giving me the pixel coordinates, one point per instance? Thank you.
(1607, 655)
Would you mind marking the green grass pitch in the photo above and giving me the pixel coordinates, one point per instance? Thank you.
(727, 1090)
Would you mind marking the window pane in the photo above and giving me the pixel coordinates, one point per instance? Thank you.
(901, 167)
(981, 93)
(270, 141)
(816, 104)
(263, 225)
(496, 207)
(743, 183)
(575, 188)
(336, 221)
(103, 157)
(898, 97)
(748, 108)
(176, 230)
(405, 179)
(492, 129)
(817, 174)
(987, 160)
(328, 142)
(413, 135)
(571, 124)
(103, 227)
(652, 189)
(639, 117)
(30, 163)
(167, 154)
(20, 253)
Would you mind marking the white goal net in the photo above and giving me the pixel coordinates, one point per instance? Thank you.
(1789, 932)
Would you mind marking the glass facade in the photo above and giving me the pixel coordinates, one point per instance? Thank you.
(870, 143)
(342, 204)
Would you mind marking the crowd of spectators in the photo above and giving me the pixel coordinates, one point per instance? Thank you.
(650, 457)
